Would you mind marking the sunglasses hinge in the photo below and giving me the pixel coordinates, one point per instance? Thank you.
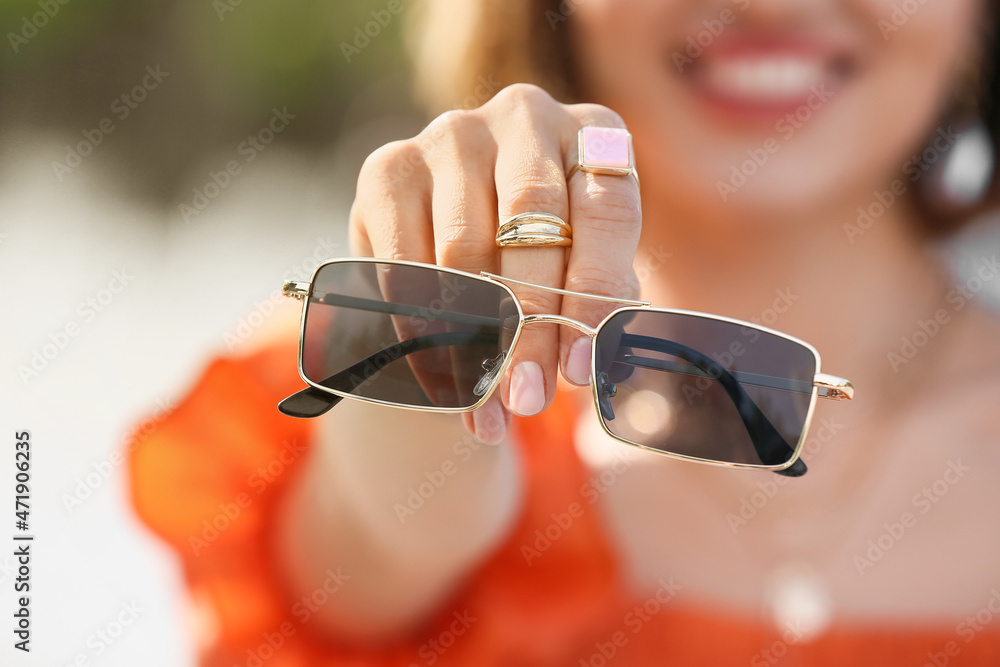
(833, 387)
(297, 289)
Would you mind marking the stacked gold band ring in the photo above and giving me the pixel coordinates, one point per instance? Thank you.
(534, 229)
(600, 150)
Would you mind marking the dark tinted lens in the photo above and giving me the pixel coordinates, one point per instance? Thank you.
(406, 334)
(704, 388)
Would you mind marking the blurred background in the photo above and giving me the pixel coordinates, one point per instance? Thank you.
(130, 256)
(163, 166)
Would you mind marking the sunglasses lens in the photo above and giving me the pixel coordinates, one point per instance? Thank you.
(703, 388)
(404, 334)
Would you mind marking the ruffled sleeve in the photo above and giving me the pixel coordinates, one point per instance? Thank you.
(207, 479)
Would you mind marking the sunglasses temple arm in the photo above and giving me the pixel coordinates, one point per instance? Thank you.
(393, 308)
(313, 402)
(308, 403)
(744, 378)
(770, 445)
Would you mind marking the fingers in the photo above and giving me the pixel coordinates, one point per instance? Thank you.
(440, 197)
(460, 151)
(606, 214)
(390, 217)
(431, 199)
(530, 177)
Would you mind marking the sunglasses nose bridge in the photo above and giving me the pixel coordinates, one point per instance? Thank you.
(559, 319)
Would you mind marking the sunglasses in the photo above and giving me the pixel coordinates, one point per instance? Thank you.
(689, 385)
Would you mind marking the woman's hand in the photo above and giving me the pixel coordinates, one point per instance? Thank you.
(441, 196)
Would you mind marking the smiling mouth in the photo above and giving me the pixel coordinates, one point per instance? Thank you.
(758, 78)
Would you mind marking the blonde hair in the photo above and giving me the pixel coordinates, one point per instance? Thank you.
(465, 49)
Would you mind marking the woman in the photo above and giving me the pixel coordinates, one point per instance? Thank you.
(776, 143)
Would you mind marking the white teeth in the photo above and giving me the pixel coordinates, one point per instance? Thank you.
(763, 79)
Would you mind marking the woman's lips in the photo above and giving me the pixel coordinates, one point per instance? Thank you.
(766, 78)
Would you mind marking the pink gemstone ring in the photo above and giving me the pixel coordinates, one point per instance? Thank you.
(604, 150)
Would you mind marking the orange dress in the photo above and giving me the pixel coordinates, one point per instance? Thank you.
(207, 478)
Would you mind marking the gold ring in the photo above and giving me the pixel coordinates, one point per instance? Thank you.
(576, 167)
(534, 229)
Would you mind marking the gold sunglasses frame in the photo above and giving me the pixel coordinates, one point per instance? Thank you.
(831, 386)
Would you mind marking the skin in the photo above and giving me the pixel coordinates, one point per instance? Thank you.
(785, 230)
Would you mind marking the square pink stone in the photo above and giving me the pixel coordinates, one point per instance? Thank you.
(605, 147)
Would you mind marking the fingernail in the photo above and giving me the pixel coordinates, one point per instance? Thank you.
(489, 422)
(577, 368)
(527, 389)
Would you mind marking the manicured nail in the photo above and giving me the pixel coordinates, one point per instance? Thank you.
(489, 422)
(577, 368)
(527, 389)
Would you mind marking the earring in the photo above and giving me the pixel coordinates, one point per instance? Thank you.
(962, 160)
(967, 169)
